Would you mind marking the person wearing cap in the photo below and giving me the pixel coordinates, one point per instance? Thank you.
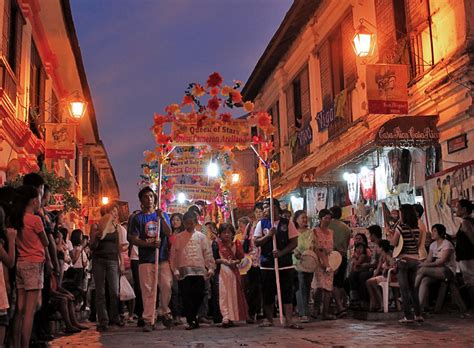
(286, 235)
(144, 233)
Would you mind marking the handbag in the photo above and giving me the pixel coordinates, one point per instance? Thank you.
(126, 290)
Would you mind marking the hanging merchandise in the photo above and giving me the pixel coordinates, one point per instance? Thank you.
(353, 187)
(311, 202)
(367, 184)
(321, 195)
(381, 177)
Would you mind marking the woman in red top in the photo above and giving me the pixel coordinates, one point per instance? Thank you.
(31, 244)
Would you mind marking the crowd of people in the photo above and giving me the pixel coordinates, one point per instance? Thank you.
(186, 271)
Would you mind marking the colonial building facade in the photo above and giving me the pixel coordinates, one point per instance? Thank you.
(41, 73)
(316, 88)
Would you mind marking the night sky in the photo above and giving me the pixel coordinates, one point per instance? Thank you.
(140, 56)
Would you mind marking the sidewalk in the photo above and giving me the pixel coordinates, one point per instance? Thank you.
(437, 332)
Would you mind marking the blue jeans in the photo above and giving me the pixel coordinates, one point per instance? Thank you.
(303, 293)
(406, 275)
(103, 269)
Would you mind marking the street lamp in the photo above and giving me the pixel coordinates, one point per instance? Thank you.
(77, 106)
(363, 41)
(105, 200)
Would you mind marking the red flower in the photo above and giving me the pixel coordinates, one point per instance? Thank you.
(162, 139)
(213, 104)
(226, 117)
(264, 120)
(236, 97)
(256, 140)
(214, 91)
(215, 79)
(187, 100)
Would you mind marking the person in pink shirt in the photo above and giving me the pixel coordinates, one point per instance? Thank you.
(31, 244)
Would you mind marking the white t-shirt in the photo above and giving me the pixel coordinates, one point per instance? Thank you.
(446, 245)
(292, 230)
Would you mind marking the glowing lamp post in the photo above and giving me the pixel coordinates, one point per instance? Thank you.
(363, 41)
(105, 200)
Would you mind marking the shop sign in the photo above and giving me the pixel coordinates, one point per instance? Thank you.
(173, 208)
(416, 131)
(457, 143)
(305, 136)
(60, 141)
(325, 118)
(387, 91)
(231, 133)
(196, 192)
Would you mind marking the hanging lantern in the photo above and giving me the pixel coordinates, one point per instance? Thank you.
(363, 41)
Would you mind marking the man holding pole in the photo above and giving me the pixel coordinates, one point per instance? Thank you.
(150, 230)
(286, 235)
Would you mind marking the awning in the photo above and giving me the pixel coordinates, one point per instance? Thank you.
(412, 131)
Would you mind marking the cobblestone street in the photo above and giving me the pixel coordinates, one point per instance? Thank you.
(441, 332)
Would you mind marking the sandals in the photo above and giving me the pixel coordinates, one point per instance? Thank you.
(266, 323)
(404, 320)
(294, 326)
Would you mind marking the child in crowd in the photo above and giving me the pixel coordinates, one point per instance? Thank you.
(31, 241)
(228, 255)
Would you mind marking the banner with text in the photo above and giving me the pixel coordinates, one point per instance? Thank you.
(231, 133)
(387, 91)
(187, 166)
(195, 192)
(60, 141)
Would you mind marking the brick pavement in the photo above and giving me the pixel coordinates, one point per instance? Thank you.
(440, 332)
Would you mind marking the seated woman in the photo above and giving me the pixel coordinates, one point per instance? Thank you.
(359, 258)
(439, 265)
(228, 254)
(386, 262)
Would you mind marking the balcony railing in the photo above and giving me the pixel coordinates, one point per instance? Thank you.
(7, 86)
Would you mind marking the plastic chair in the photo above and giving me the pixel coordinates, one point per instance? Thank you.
(386, 285)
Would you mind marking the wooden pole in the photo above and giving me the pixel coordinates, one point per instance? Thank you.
(157, 253)
(272, 219)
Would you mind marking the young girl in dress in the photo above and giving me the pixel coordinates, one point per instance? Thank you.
(228, 254)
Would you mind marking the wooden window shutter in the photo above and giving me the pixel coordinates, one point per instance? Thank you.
(19, 22)
(325, 68)
(6, 27)
(348, 55)
(417, 14)
(290, 108)
(305, 97)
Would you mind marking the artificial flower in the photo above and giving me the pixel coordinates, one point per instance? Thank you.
(267, 147)
(264, 120)
(198, 90)
(149, 156)
(146, 170)
(256, 139)
(225, 117)
(162, 139)
(214, 91)
(225, 91)
(187, 100)
(172, 109)
(236, 96)
(160, 120)
(213, 104)
(248, 106)
(215, 79)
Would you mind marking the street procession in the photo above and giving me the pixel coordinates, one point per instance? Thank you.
(236, 173)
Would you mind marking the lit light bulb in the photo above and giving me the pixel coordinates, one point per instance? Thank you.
(105, 200)
(235, 178)
(346, 176)
(364, 170)
(213, 170)
(181, 198)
